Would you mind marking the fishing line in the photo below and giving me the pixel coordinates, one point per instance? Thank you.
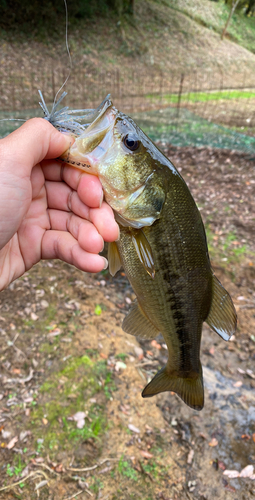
(69, 56)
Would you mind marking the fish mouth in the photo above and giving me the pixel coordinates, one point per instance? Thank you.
(89, 147)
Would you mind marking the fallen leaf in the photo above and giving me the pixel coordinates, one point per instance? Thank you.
(190, 457)
(54, 333)
(12, 443)
(155, 344)
(79, 417)
(211, 351)
(44, 421)
(120, 366)
(253, 437)
(103, 355)
(239, 383)
(138, 352)
(231, 473)
(98, 310)
(213, 442)
(146, 454)
(34, 316)
(246, 437)
(44, 304)
(133, 428)
(221, 465)
(247, 471)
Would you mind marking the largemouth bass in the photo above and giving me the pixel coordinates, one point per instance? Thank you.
(162, 248)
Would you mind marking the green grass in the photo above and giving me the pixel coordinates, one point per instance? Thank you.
(214, 15)
(224, 249)
(63, 394)
(125, 469)
(205, 96)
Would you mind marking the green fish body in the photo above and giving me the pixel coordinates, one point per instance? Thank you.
(162, 248)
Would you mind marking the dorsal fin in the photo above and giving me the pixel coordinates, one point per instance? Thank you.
(222, 315)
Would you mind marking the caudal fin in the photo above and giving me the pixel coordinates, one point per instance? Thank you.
(190, 390)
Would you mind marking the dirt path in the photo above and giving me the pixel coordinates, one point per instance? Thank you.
(73, 423)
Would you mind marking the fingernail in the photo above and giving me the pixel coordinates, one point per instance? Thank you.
(117, 239)
(105, 263)
(101, 199)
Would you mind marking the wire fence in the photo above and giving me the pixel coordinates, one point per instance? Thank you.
(191, 100)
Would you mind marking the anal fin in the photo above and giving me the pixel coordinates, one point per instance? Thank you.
(190, 390)
(113, 258)
(222, 315)
(136, 323)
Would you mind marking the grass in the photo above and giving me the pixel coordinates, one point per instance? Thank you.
(125, 469)
(214, 15)
(61, 396)
(227, 248)
(204, 96)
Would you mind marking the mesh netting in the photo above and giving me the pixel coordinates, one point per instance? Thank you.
(184, 128)
(170, 125)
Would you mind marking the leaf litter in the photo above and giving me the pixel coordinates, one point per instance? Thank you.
(158, 446)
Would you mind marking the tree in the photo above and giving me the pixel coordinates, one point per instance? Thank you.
(232, 10)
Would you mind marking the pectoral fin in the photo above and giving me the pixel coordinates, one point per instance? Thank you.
(222, 315)
(113, 258)
(143, 250)
(136, 323)
(190, 390)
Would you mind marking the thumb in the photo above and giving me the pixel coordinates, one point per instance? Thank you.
(31, 143)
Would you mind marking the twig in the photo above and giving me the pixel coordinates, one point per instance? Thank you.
(48, 468)
(79, 493)
(147, 363)
(86, 469)
(32, 474)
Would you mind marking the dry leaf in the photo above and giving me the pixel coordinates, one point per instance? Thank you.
(12, 443)
(44, 421)
(146, 454)
(190, 457)
(213, 442)
(133, 428)
(103, 355)
(247, 471)
(231, 473)
(239, 383)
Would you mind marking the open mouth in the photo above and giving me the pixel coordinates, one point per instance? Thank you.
(89, 147)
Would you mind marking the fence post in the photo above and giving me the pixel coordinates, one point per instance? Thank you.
(180, 95)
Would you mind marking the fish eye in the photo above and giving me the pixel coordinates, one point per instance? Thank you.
(131, 143)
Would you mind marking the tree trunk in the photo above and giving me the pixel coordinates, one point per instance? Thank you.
(234, 5)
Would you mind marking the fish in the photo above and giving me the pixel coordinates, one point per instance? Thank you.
(162, 248)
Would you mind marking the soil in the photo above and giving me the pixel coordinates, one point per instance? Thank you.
(63, 351)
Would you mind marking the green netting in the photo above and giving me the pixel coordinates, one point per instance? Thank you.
(184, 128)
(170, 125)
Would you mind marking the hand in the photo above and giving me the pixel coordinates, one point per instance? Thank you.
(48, 210)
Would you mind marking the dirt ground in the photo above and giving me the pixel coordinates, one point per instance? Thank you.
(72, 420)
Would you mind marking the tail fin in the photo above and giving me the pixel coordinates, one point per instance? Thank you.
(190, 390)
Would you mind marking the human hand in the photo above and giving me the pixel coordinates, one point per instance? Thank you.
(48, 210)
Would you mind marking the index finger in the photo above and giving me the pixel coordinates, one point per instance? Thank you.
(88, 186)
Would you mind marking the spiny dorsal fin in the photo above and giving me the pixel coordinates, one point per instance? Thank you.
(136, 323)
(190, 390)
(222, 315)
(113, 258)
(143, 250)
